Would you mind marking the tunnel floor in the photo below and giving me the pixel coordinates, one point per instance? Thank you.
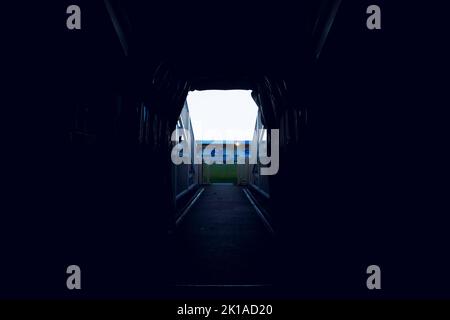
(222, 241)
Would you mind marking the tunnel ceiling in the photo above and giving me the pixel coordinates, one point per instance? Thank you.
(223, 46)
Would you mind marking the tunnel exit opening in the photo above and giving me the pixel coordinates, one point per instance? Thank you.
(223, 124)
(220, 237)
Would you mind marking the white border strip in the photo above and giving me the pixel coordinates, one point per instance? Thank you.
(261, 215)
(265, 194)
(185, 211)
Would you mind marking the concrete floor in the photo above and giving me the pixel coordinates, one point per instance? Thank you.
(222, 241)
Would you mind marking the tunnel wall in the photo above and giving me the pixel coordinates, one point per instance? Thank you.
(186, 178)
(84, 188)
(351, 191)
(260, 183)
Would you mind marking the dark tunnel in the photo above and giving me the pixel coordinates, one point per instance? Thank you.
(90, 178)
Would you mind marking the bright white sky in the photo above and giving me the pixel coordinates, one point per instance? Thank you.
(222, 114)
